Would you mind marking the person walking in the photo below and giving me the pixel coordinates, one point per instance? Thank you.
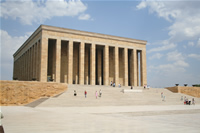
(100, 93)
(193, 102)
(96, 94)
(114, 84)
(85, 93)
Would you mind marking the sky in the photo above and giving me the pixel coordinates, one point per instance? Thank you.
(171, 29)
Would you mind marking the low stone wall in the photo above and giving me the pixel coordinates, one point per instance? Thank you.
(23, 92)
(173, 89)
(192, 91)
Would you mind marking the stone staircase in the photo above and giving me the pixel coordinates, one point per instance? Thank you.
(113, 96)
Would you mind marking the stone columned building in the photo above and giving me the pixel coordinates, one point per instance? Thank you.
(53, 54)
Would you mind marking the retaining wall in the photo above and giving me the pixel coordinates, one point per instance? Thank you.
(23, 92)
(192, 91)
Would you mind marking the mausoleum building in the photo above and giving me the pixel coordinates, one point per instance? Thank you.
(53, 54)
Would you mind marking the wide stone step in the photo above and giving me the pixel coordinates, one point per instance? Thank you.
(112, 96)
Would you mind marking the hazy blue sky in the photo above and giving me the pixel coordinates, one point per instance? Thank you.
(172, 30)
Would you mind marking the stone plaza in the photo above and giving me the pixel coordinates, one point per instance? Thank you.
(114, 112)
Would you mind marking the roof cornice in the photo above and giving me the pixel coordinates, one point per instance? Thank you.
(78, 32)
(92, 34)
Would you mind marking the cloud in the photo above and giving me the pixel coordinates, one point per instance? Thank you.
(142, 5)
(176, 64)
(195, 56)
(9, 45)
(156, 56)
(198, 43)
(184, 16)
(191, 44)
(174, 56)
(38, 11)
(84, 17)
(184, 26)
(165, 46)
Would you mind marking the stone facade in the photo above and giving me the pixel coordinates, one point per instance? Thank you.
(23, 92)
(78, 57)
(192, 91)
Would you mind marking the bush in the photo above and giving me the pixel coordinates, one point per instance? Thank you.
(196, 85)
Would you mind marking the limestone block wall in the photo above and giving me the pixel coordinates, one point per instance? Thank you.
(23, 92)
(192, 91)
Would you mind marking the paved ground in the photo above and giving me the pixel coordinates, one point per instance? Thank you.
(114, 112)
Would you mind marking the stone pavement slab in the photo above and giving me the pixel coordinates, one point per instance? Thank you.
(114, 112)
(20, 119)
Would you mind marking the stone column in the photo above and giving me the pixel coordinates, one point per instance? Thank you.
(19, 68)
(143, 67)
(39, 60)
(33, 62)
(99, 66)
(125, 67)
(81, 63)
(92, 64)
(44, 58)
(22, 66)
(24, 70)
(106, 65)
(70, 62)
(58, 58)
(86, 65)
(138, 78)
(116, 65)
(135, 68)
(36, 61)
(28, 65)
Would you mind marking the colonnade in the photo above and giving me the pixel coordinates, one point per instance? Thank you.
(53, 54)
(27, 65)
(79, 62)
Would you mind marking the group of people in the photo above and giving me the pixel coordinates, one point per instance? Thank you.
(187, 102)
(85, 93)
(113, 84)
(146, 86)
